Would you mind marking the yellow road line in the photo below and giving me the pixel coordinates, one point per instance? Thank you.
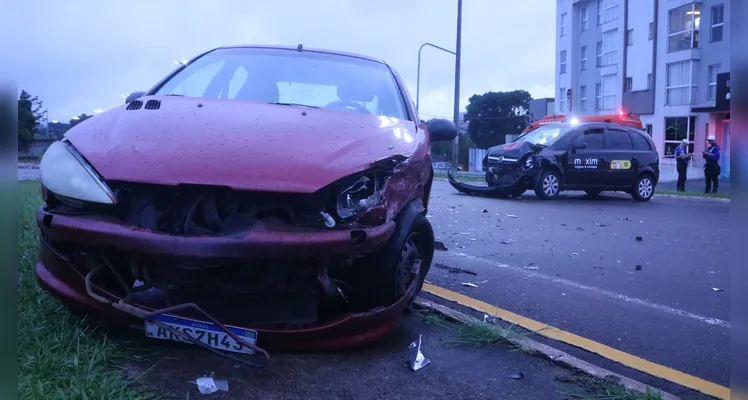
(629, 360)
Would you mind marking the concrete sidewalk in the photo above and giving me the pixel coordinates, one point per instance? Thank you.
(457, 370)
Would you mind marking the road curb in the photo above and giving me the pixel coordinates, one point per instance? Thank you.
(693, 198)
(556, 356)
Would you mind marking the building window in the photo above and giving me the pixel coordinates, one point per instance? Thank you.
(583, 58)
(683, 29)
(563, 24)
(629, 37)
(718, 22)
(628, 84)
(712, 79)
(599, 54)
(677, 129)
(680, 88)
(562, 100)
(608, 94)
(610, 50)
(651, 31)
(563, 62)
(585, 18)
(607, 10)
(582, 98)
(650, 84)
(598, 97)
(649, 130)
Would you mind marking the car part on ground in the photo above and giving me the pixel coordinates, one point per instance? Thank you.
(199, 238)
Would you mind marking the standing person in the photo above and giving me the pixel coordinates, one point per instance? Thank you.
(711, 167)
(681, 158)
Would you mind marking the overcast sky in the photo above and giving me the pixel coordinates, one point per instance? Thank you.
(80, 55)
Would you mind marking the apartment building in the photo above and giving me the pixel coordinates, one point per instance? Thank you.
(667, 61)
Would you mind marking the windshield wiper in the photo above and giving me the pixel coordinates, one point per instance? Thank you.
(293, 104)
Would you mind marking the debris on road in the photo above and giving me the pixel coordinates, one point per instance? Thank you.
(638, 267)
(511, 216)
(574, 254)
(624, 219)
(489, 319)
(508, 241)
(416, 359)
(440, 246)
(485, 211)
(469, 284)
(517, 376)
(208, 385)
(601, 225)
(717, 289)
(532, 268)
(455, 270)
(639, 238)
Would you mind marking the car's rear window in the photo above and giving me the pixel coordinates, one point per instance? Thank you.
(315, 79)
(640, 142)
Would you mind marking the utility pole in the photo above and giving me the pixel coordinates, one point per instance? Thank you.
(458, 52)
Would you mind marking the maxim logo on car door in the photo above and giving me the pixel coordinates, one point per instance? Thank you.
(585, 163)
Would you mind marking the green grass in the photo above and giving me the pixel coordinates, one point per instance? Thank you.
(60, 355)
(479, 334)
(694, 194)
(594, 388)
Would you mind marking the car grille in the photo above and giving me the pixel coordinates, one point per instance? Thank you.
(504, 173)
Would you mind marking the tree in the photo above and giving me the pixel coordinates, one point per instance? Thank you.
(77, 120)
(493, 115)
(30, 114)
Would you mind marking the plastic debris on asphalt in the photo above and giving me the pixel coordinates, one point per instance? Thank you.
(508, 241)
(469, 284)
(485, 211)
(209, 385)
(717, 289)
(639, 238)
(517, 376)
(574, 254)
(638, 267)
(489, 319)
(416, 359)
(532, 268)
(440, 246)
(511, 216)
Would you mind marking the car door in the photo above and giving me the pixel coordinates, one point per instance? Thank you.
(617, 164)
(583, 161)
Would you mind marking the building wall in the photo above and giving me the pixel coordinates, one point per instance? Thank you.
(636, 61)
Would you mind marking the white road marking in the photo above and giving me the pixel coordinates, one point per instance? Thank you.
(602, 292)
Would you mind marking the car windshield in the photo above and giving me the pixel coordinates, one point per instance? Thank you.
(545, 135)
(290, 77)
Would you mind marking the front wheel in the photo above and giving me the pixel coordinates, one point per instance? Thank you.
(643, 189)
(548, 185)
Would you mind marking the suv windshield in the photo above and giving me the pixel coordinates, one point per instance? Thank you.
(290, 77)
(545, 135)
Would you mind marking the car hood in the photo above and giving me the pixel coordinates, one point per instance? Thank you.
(515, 150)
(240, 144)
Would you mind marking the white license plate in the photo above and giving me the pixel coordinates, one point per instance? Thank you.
(206, 332)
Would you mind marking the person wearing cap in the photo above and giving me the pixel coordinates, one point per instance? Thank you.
(711, 165)
(681, 158)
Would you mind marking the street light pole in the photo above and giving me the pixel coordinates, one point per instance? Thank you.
(456, 145)
(418, 76)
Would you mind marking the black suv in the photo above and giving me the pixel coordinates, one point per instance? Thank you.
(593, 157)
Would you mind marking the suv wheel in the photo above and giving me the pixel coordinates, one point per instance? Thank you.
(548, 186)
(643, 189)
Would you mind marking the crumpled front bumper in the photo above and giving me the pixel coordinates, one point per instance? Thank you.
(58, 276)
(519, 185)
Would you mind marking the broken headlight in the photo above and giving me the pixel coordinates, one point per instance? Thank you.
(64, 172)
(360, 194)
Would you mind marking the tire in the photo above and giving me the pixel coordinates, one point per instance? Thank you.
(643, 189)
(593, 192)
(548, 185)
(386, 276)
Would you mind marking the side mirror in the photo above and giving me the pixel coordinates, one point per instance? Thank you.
(441, 130)
(581, 145)
(134, 96)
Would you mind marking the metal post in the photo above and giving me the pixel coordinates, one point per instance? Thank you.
(418, 76)
(456, 145)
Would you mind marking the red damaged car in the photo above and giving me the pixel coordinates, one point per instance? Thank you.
(255, 198)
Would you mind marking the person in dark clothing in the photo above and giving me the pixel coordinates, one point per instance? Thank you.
(711, 165)
(681, 158)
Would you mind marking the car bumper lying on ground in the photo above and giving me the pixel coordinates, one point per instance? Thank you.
(514, 187)
(68, 243)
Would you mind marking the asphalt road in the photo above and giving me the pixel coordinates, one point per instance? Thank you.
(572, 263)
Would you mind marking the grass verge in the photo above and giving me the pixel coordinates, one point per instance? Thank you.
(60, 355)
(594, 388)
(694, 194)
(478, 334)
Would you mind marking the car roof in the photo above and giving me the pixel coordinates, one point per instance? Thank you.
(296, 48)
